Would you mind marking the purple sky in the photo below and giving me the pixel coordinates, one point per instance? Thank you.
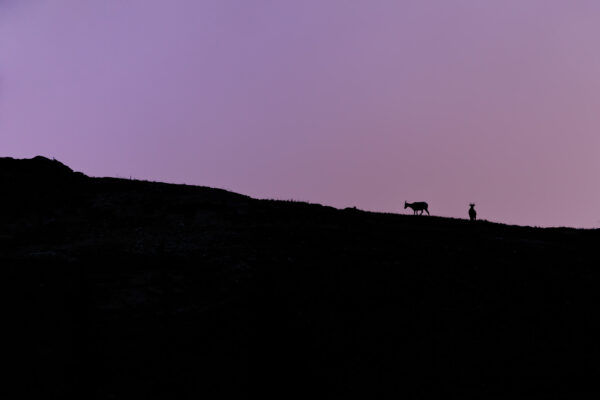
(361, 103)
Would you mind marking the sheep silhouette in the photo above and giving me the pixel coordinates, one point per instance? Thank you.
(472, 212)
(419, 206)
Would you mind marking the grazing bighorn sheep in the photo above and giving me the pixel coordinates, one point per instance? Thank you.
(418, 206)
(472, 212)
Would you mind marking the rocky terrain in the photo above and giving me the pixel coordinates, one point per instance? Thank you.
(124, 289)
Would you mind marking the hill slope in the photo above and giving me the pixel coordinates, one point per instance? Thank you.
(130, 289)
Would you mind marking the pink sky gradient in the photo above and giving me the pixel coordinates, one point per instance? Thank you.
(340, 102)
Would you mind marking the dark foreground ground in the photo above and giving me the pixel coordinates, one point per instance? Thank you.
(118, 289)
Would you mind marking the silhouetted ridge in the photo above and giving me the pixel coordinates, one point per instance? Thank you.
(36, 184)
(125, 289)
(35, 168)
(38, 174)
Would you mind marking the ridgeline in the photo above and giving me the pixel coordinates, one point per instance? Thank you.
(124, 289)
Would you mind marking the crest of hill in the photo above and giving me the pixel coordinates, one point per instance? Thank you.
(38, 168)
(40, 182)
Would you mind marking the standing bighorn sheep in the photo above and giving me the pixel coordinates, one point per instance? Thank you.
(472, 212)
(418, 206)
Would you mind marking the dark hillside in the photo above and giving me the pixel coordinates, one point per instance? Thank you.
(120, 289)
